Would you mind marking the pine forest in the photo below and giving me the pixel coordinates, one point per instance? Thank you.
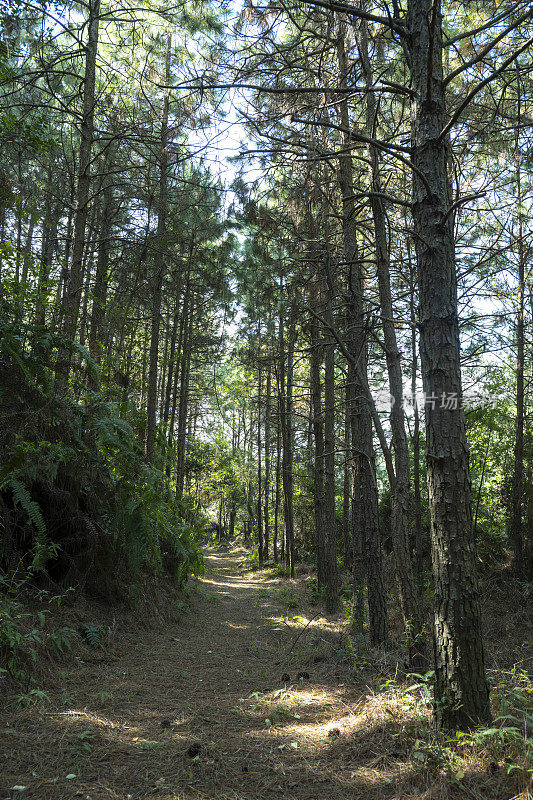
(266, 399)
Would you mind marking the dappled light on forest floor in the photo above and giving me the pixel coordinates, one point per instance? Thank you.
(245, 697)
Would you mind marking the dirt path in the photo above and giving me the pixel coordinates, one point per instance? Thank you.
(199, 709)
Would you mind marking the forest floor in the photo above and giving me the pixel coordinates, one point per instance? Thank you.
(251, 694)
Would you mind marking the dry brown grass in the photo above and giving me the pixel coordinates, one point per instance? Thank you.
(197, 709)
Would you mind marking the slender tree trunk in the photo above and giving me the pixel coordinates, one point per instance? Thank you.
(181, 439)
(159, 268)
(266, 546)
(461, 690)
(400, 490)
(286, 389)
(183, 324)
(165, 364)
(260, 541)
(172, 361)
(357, 510)
(48, 248)
(346, 486)
(101, 275)
(417, 496)
(74, 285)
(332, 594)
(277, 491)
(516, 538)
(362, 441)
(27, 251)
(318, 467)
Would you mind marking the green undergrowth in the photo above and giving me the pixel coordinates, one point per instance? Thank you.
(506, 745)
(79, 506)
(29, 635)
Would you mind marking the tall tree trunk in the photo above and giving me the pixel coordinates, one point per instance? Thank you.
(516, 538)
(417, 496)
(48, 248)
(357, 509)
(26, 262)
(332, 594)
(101, 275)
(181, 438)
(318, 435)
(461, 690)
(346, 486)
(400, 490)
(362, 441)
(260, 541)
(277, 490)
(286, 400)
(172, 361)
(159, 268)
(184, 317)
(266, 547)
(74, 285)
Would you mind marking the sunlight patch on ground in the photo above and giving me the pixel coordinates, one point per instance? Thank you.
(240, 585)
(74, 715)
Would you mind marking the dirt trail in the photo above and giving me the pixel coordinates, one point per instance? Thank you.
(198, 709)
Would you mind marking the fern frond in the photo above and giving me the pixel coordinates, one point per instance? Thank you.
(22, 497)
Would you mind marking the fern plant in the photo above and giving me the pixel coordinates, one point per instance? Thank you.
(91, 634)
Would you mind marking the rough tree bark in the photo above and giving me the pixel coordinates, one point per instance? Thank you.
(461, 690)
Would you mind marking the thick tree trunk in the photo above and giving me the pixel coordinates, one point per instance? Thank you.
(461, 690)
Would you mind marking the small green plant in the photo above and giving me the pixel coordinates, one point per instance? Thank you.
(92, 634)
(103, 698)
(149, 745)
(59, 641)
(317, 594)
(18, 645)
(356, 648)
(280, 571)
(80, 744)
(288, 597)
(31, 698)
